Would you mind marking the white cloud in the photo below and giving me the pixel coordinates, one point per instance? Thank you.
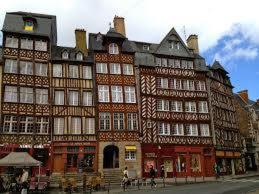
(147, 20)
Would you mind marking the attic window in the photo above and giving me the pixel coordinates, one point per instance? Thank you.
(79, 56)
(174, 45)
(28, 25)
(113, 49)
(65, 55)
(146, 47)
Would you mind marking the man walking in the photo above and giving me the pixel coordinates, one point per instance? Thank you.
(152, 175)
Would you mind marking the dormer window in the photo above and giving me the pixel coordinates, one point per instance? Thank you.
(146, 47)
(113, 49)
(28, 25)
(79, 56)
(174, 45)
(65, 55)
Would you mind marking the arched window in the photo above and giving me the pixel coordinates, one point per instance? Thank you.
(65, 55)
(113, 49)
(79, 56)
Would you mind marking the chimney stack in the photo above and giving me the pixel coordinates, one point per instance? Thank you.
(192, 43)
(244, 95)
(119, 25)
(81, 40)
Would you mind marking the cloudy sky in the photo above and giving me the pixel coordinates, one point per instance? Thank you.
(228, 30)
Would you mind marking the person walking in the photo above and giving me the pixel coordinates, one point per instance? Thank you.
(24, 181)
(162, 171)
(125, 178)
(152, 174)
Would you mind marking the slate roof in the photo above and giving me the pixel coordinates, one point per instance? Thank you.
(216, 66)
(56, 54)
(241, 102)
(45, 25)
(96, 41)
(113, 34)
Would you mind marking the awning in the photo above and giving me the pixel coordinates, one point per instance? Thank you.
(131, 148)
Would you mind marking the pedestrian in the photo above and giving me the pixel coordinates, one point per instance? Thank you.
(162, 171)
(24, 181)
(217, 170)
(152, 174)
(125, 178)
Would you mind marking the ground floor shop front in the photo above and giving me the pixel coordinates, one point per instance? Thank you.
(230, 162)
(74, 157)
(179, 161)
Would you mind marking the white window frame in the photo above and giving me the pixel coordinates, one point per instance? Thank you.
(113, 49)
(59, 125)
(205, 130)
(59, 97)
(42, 122)
(178, 129)
(128, 69)
(163, 105)
(11, 123)
(203, 107)
(42, 96)
(41, 69)
(87, 72)
(117, 94)
(11, 42)
(41, 45)
(132, 121)
(118, 121)
(73, 97)
(89, 126)
(87, 98)
(105, 120)
(103, 93)
(130, 94)
(190, 107)
(26, 95)
(162, 83)
(73, 71)
(101, 68)
(201, 86)
(115, 68)
(76, 126)
(176, 106)
(79, 56)
(57, 70)
(163, 128)
(192, 129)
(26, 67)
(130, 155)
(65, 55)
(26, 43)
(10, 66)
(27, 122)
(10, 94)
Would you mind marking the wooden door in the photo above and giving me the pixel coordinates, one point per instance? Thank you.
(58, 163)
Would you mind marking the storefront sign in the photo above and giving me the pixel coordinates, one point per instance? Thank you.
(150, 155)
(74, 144)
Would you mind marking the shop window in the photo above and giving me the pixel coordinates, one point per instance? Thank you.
(130, 155)
(195, 163)
(148, 164)
(72, 149)
(181, 163)
(89, 148)
(72, 160)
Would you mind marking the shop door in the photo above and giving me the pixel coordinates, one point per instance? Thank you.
(208, 166)
(58, 163)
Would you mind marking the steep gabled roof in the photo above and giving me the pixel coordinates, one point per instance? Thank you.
(113, 34)
(164, 46)
(217, 66)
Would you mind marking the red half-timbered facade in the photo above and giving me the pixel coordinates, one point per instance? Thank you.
(226, 133)
(175, 119)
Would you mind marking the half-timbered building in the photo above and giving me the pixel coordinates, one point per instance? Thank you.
(26, 110)
(73, 111)
(117, 107)
(225, 127)
(175, 120)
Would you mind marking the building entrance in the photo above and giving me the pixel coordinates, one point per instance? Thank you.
(111, 157)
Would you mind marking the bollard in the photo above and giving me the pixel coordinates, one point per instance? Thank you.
(175, 180)
(195, 178)
(138, 184)
(163, 181)
(185, 178)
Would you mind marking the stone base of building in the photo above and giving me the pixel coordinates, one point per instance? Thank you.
(178, 161)
(115, 155)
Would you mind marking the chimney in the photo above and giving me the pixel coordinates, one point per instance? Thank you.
(119, 25)
(81, 40)
(192, 43)
(244, 95)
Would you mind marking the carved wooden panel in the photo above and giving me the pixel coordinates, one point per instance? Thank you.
(148, 84)
(41, 81)
(119, 136)
(182, 94)
(175, 72)
(27, 54)
(42, 109)
(9, 108)
(127, 58)
(73, 83)
(185, 140)
(10, 79)
(118, 107)
(41, 55)
(70, 110)
(116, 79)
(10, 51)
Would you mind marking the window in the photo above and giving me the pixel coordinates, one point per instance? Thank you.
(191, 129)
(73, 98)
(171, 63)
(130, 94)
(201, 86)
(11, 42)
(117, 94)
(41, 45)
(181, 163)
(118, 121)
(89, 126)
(28, 25)
(205, 130)
(103, 93)
(101, 68)
(177, 63)
(163, 105)
(225, 133)
(10, 124)
(113, 49)
(42, 125)
(75, 125)
(130, 155)
(190, 64)
(26, 95)
(10, 94)
(87, 98)
(177, 45)
(57, 70)
(26, 124)
(188, 85)
(59, 97)
(164, 128)
(176, 106)
(79, 56)
(158, 62)
(41, 69)
(178, 129)
(65, 55)
(195, 164)
(105, 121)
(59, 125)
(26, 67)
(128, 69)
(115, 68)
(164, 62)
(87, 72)
(162, 83)
(178, 84)
(10, 66)
(191, 85)
(146, 47)
(203, 107)
(42, 96)
(132, 122)
(73, 71)
(26, 44)
(184, 64)
(190, 106)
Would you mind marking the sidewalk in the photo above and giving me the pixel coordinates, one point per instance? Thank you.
(246, 175)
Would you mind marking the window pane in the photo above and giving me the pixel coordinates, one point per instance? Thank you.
(113, 48)
(130, 95)
(128, 69)
(26, 95)
(115, 68)
(41, 69)
(104, 119)
(57, 70)
(59, 126)
(59, 97)
(11, 42)
(89, 126)
(42, 96)
(10, 94)
(87, 72)
(73, 98)
(117, 94)
(40, 45)
(75, 125)
(26, 67)
(118, 121)
(73, 71)
(87, 98)
(10, 66)
(101, 68)
(103, 93)
(26, 43)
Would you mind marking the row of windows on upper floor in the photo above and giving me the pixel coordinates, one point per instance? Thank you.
(178, 84)
(26, 95)
(177, 106)
(115, 68)
(41, 69)
(174, 63)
